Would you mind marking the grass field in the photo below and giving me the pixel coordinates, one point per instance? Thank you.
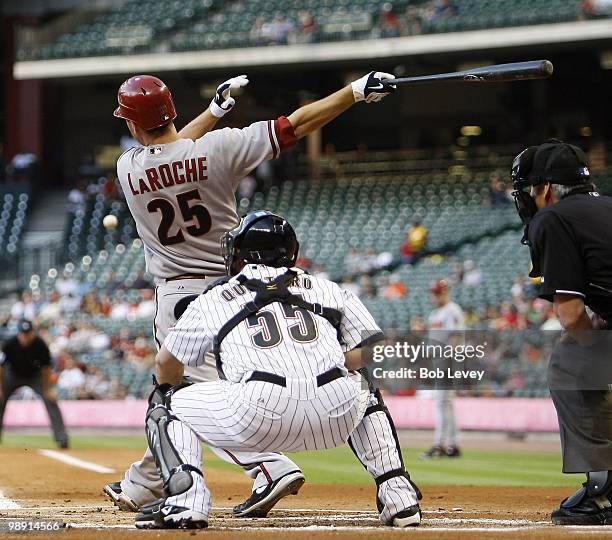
(475, 468)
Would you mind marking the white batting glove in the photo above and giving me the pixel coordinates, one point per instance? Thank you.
(370, 88)
(223, 102)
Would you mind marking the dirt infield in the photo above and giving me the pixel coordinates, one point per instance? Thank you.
(41, 488)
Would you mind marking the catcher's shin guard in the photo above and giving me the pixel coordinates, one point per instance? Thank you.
(174, 472)
(376, 445)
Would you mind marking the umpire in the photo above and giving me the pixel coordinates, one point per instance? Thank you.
(26, 361)
(568, 227)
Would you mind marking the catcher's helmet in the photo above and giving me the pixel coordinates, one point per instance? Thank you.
(261, 238)
(146, 101)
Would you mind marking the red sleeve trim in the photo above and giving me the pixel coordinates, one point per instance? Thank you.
(284, 133)
(272, 141)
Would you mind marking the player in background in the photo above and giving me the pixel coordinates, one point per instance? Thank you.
(287, 345)
(446, 317)
(180, 190)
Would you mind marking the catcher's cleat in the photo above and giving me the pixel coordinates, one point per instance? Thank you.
(121, 500)
(410, 517)
(170, 517)
(581, 508)
(452, 451)
(260, 503)
(434, 452)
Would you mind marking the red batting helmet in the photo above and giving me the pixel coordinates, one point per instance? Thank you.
(146, 101)
(438, 286)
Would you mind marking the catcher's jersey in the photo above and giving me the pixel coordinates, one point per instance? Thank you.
(280, 339)
(181, 194)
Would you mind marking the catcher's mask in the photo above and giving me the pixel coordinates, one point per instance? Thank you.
(261, 238)
(553, 162)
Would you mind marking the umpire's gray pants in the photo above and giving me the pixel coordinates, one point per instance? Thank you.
(579, 380)
(12, 381)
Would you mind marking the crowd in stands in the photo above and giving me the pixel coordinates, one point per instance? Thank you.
(65, 318)
(389, 22)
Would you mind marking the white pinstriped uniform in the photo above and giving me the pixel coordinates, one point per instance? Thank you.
(238, 415)
(182, 198)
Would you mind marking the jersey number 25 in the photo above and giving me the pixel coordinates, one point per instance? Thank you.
(196, 213)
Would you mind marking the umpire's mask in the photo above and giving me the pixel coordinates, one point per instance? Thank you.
(553, 162)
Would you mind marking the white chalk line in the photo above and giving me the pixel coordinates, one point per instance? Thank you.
(380, 529)
(76, 462)
(6, 503)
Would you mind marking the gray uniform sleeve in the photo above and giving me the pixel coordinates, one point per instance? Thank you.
(357, 326)
(242, 150)
(191, 337)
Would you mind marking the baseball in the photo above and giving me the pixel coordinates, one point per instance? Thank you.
(110, 222)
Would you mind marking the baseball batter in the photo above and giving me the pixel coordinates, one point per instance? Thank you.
(180, 189)
(283, 342)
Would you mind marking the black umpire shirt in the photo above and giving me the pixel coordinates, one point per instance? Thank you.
(26, 361)
(571, 250)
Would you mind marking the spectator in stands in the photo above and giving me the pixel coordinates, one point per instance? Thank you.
(120, 309)
(146, 307)
(307, 28)
(444, 8)
(77, 197)
(25, 308)
(411, 24)
(416, 239)
(141, 282)
(71, 379)
(50, 310)
(367, 287)
(279, 30)
(349, 284)
(456, 275)
(388, 22)
(498, 195)
(395, 289)
(65, 284)
(259, 34)
(352, 261)
(586, 10)
(369, 261)
(471, 275)
(113, 284)
(96, 385)
(319, 271)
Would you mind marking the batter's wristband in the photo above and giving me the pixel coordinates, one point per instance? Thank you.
(217, 111)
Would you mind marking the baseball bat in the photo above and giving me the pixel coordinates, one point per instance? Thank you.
(517, 71)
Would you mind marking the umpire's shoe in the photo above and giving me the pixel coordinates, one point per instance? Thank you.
(261, 502)
(590, 505)
(162, 516)
(120, 499)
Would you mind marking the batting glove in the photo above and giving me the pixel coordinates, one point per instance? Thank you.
(223, 102)
(370, 88)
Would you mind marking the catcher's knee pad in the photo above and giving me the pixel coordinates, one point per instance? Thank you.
(175, 474)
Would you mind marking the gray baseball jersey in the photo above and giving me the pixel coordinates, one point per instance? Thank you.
(181, 194)
(278, 339)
